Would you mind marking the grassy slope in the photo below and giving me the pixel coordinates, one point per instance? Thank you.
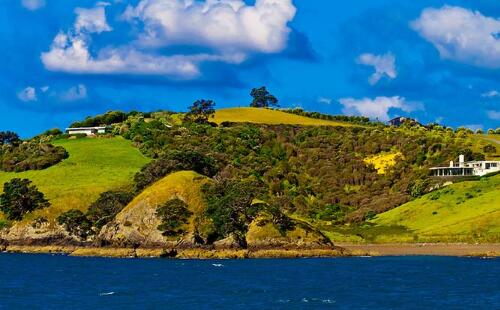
(266, 116)
(185, 185)
(94, 166)
(468, 211)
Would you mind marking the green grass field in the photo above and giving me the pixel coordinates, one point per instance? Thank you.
(95, 165)
(272, 117)
(466, 211)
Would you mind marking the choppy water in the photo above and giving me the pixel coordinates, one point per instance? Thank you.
(62, 282)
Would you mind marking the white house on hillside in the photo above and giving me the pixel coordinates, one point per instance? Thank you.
(89, 131)
(463, 168)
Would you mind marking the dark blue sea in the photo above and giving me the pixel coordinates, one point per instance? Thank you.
(63, 282)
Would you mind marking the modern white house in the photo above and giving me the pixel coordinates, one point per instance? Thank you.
(89, 131)
(463, 168)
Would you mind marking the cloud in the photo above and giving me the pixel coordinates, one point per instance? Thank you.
(491, 94)
(325, 100)
(494, 115)
(377, 108)
(461, 35)
(74, 93)
(33, 4)
(224, 25)
(230, 28)
(27, 94)
(91, 20)
(384, 65)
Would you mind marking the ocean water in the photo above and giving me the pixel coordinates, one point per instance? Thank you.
(63, 282)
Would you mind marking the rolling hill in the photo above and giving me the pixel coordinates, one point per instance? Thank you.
(300, 161)
(267, 116)
(466, 211)
(94, 166)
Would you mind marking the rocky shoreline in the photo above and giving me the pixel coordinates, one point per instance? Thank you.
(343, 250)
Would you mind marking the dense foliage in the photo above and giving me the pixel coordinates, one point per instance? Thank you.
(108, 118)
(76, 223)
(9, 137)
(311, 171)
(30, 155)
(360, 120)
(100, 212)
(174, 215)
(175, 160)
(20, 197)
(201, 111)
(107, 206)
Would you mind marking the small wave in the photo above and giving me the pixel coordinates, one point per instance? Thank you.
(217, 265)
(107, 294)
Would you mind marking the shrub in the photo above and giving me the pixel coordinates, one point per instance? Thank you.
(172, 162)
(20, 197)
(490, 148)
(76, 223)
(229, 206)
(30, 156)
(174, 215)
(107, 206)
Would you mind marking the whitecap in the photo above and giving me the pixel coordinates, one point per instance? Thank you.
(107, 294)
(217, 265)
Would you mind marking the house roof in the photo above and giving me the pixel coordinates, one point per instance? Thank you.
(87, 128)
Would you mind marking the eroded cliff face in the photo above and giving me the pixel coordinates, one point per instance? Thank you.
(136, 226)
(24, 233)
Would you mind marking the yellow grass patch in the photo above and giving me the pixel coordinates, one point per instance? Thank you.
(383, 161)
(267, 116)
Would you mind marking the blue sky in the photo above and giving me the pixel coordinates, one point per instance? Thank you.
(433, 60)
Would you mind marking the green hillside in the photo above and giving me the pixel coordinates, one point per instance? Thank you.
(94, 166)
(467, 211)
(271, 117)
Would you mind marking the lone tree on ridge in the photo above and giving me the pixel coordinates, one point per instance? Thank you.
(262, 98)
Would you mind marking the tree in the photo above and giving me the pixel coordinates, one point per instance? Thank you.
(9, 137)
(231, 208)
(173, 216)
(201, 111)
(262, 98)
(76, 223)
(20, 197)
(107, 206)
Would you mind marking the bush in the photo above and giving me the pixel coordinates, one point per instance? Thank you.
(490, 148)
(76, 223)
(107, 206)
(172, 162)
(174, 215)
(230, 206)
(19, 198)
(30, 156)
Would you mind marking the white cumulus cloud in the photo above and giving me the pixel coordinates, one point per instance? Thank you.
(461, 35)
(229, 27)
(377, 108)
(27, 94)
(91, 20)
(384, 65)
(33, 4)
